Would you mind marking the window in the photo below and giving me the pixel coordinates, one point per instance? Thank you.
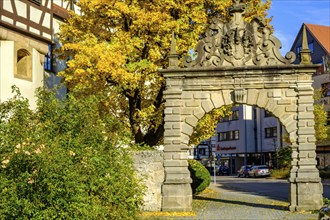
(23, 68)
(325, 89)
(48, 64)
(201, 151)
(236, 134)
(310, 47)
(228, 135)
(233, 117)
(271, 132)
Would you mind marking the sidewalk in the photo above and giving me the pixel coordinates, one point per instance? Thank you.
(217, 203)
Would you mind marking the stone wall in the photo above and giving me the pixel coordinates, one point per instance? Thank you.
(149, 166)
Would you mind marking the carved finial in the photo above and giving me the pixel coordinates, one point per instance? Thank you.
(173, 56)
(305, 53)
(173, 45)
(237, 7)
(304, 39)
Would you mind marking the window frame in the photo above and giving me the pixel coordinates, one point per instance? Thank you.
(233, 117)
(49, 59)
(271, 132)
(228, 135)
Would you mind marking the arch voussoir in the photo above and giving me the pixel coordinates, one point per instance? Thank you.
(252, 96)
(217, 99)
(262, 99)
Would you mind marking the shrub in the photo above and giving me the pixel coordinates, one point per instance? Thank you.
(327, 168)
(325, 174)
(200, 176)
(282, 173)
(284, 157)
(64, 161)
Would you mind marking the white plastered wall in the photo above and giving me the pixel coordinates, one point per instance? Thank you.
(7, 79)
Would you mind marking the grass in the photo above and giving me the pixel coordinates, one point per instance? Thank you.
(282, 173)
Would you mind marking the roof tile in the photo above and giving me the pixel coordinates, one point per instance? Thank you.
(322, 34)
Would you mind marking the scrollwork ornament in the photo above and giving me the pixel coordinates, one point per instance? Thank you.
(238, 43)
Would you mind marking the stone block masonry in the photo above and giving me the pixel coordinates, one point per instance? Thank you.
(149, 167)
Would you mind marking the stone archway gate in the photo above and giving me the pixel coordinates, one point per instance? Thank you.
(240, 62)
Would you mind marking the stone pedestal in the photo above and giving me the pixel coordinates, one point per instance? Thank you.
(177, 197)
(306, 192)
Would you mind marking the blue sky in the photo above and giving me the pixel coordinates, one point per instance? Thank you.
(288, 16)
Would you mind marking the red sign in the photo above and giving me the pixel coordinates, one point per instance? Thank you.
(228, 148)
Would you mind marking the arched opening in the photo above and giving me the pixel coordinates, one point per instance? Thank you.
(262, 78)
(293, 108)
(23, 64)
(242, 135)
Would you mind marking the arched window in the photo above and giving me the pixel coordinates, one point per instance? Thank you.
(23, 64)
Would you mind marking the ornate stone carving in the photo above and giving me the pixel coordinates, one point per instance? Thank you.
(238, 43)
(240, 95)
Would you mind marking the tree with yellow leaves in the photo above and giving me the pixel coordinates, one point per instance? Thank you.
(115, 48)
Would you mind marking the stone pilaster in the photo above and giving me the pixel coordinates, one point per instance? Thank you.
(177, 193)
(305, 184)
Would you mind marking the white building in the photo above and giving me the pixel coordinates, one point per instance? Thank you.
(249, 136)
(27, 30)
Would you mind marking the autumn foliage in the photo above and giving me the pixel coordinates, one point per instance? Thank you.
(116, 47)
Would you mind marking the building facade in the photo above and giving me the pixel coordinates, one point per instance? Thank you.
(250, 135)
(27, 39)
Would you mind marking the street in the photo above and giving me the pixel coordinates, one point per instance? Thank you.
(271, 188)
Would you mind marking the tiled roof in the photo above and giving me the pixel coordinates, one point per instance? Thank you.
(322, 34)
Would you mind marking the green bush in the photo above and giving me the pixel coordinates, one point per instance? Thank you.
(64, 161)
(282, 173)
(327, 168)
(284, 157)
(199, 175)
(325, 174)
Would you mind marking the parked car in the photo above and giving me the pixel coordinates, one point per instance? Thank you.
(244, 171)
(223, 170)
(260, 170)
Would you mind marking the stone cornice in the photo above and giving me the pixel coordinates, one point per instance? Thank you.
(240, 71)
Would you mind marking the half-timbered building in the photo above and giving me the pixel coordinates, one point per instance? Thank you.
(27, 29)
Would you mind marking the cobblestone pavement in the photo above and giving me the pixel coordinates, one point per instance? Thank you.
(218, 203)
